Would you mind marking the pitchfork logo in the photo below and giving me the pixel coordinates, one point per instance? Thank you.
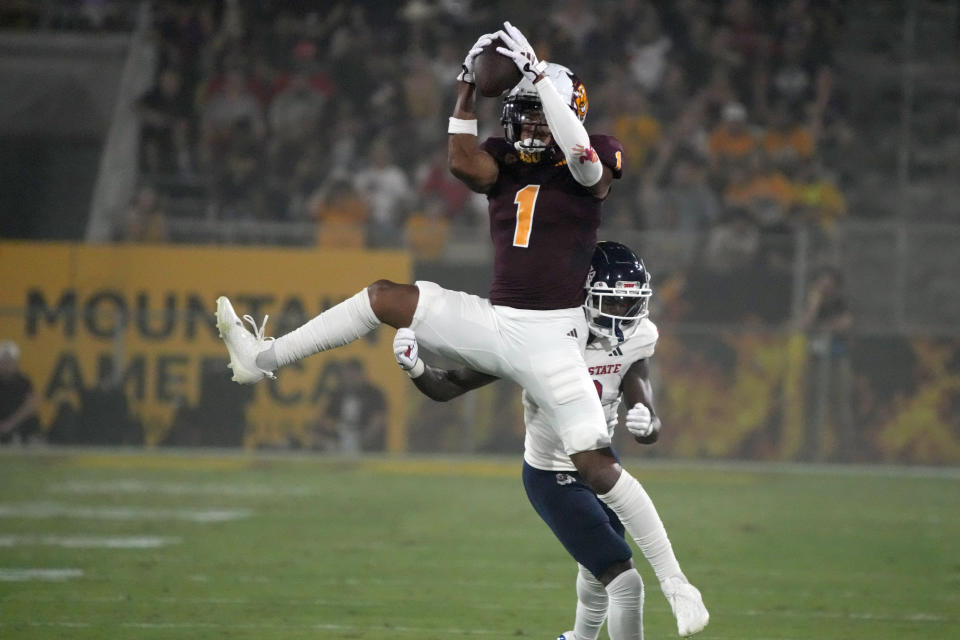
(565, 479)
(590, 275)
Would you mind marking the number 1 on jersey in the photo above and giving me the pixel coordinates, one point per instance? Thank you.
(526, 200)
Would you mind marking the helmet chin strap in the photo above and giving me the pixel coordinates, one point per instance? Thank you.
(617, 331)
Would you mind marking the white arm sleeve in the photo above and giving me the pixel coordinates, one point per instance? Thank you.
(570, 135)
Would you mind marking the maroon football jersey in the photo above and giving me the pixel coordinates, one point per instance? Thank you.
(543, 224)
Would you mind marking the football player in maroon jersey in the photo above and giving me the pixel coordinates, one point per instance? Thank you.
(545, 183)
(622, 339)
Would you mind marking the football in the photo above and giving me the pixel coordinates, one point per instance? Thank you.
(494, 73)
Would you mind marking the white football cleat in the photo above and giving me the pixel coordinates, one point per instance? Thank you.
(687, 605)
(242, 345)
(567, 635)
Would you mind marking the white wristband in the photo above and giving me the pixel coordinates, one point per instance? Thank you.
(462, 126)
(417, 369)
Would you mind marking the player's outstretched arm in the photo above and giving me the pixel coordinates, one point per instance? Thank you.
(641, 419)
(468, 162)
(567, 129)
(436, 384)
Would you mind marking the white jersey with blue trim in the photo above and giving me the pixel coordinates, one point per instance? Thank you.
(607, 362)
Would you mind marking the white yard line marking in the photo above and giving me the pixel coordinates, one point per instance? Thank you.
(449, 631)
(88, 542)
(43, 575)
(659, 607)
(462, 464)
(60, 623)
(266, 626)
(55, 510)
(846, 615)
(794, 468)
(133, 486)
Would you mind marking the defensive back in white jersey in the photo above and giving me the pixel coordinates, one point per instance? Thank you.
(607, 362)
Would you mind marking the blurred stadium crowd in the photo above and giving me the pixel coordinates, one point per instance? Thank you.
(273, 111)
(732, 120)
(293, 123)
(790, 166)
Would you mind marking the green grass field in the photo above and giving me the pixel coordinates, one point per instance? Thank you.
(98, 544)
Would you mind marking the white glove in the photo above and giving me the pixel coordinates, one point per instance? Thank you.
(466, 75)
(519, 50)
(639, 421)
(406, 351)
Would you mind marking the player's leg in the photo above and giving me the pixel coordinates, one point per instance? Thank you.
(461, 327)
(558, 383)
(381, 302)
(630, 502)
(591, 605)
(252, 356)
(572, 406)
(594, 537)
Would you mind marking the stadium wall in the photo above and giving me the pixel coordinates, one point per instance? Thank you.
(129, 331)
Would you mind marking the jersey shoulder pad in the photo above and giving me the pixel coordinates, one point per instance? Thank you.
(643, 342)
(610, 152)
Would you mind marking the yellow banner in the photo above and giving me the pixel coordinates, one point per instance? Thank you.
(143, 316)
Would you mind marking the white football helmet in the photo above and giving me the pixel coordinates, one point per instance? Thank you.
(524, 123)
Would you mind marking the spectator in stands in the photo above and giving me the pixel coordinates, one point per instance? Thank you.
(762, 189)
(690, 25)
(723, 288)
(818, 199)
(687, 197)
(787, 140)
(801, 73)
(692, 61)
(299, 177)
(105, 416)
(227, 109)
(434, 180)
(827, 320)
(295, 112)
(238, 189)
(636, 127)
(341, 215)
(387, 190)
(732, 243)
(355, 419)
(343, 150)
(731, 140)
(648, 52)
(165, 116)
(747, 28)
(183, 32)
(423, 98)
(746, 48)
(574, 22)
(294, 117)
(427, 229)
(145, 220)
(18, 402)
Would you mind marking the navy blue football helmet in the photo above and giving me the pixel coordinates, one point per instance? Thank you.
(618, 291)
